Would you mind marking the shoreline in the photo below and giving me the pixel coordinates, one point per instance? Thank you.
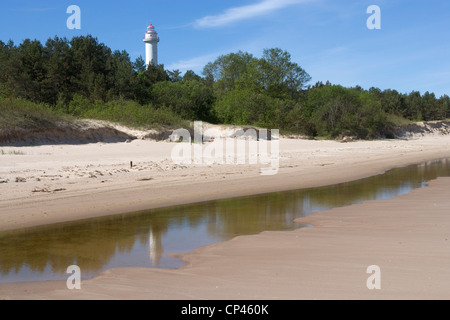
(27, 205)
(318, 173)
(345, 240)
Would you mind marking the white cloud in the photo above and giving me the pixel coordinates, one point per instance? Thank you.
(231, 15)
(196, 64)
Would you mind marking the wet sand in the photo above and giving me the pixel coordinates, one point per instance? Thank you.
(406, 236)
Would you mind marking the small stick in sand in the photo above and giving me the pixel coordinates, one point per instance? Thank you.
(131, 164)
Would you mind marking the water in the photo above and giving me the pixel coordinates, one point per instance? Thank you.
(144, 239)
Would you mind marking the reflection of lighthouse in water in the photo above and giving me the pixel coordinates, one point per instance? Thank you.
(151, 40)
(155, 248)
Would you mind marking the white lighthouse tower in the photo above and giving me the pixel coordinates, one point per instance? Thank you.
(151, 46)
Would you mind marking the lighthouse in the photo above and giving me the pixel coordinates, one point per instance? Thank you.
(151, 46)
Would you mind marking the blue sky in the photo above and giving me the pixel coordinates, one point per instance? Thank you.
(328, 38)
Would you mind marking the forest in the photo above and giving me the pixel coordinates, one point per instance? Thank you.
(83, 78)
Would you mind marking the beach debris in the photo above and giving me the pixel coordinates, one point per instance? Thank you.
(20, 179)
(348, 139)
(51, 176)
(145, 179)
(444, 131)
(4, 181)
(47, 190)
(36, 190)
(325, 164)
(94, 174)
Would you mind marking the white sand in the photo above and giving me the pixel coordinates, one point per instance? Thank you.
(66, 182)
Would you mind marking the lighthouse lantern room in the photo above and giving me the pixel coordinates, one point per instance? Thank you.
(151, 40)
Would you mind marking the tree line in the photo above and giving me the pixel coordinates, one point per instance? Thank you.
(84, 78)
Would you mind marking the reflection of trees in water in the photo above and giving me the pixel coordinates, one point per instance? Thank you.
(250, 215)
(376, 187)
(89, 245)
(276, 211)
(92, 244)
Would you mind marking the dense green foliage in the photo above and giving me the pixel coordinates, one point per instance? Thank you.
(85, 79)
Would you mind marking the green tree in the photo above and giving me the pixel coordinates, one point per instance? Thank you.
(123, 75)
(444, 106)
(30, 70)
(139, 65)
(430, 107)
(333, 110)
(413, 104)
(146, 80)
(191, 99)
(174, 75)
(246, 107)
(191, 75)
(226, 70)
(392, 102)
(8, 56)
(280, 76)
(90, 58)
(57, 64)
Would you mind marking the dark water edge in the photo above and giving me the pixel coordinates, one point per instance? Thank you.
(143, 239)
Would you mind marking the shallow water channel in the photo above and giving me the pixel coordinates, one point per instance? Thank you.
(144, 239)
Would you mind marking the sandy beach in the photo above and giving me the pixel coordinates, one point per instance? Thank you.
(407, 237)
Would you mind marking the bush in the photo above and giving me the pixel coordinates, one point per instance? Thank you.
(333, 110)
(190, 99)
(127, 112)
(245, 107)
(19, 113)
